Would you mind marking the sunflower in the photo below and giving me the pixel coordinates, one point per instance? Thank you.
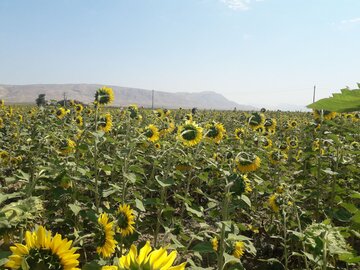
(277, 156)
(255, 120)
(2, 102)
(266, 143)
(1, 123)
(111, 267)
(239, 133)
(67, 146)
(125, 220)
(293, 123)
(43, 251)
(133, 111)
(188, 117)
(247, 162)
(190, 134)
(215, 132)
(104, 95)
(270, 123)
(159, 113)
(79, 108)
(157, 146)
(105, 238)
(168, 126)
(292, 141)
(105, 123)
(149, 260)
(241, 184)
(239, 249)
(327, 115)
(273, 202)
(215, 243)
(60, 113)
(79, 121)
(152, 133)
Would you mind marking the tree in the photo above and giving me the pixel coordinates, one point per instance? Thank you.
(40, 101)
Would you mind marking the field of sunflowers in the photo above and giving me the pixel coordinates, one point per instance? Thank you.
(95, 187)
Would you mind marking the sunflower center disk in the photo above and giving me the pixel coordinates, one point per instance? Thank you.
(43, 259)
(189, 133)
(123, 221)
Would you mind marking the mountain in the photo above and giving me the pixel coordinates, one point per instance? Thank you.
(123, 96)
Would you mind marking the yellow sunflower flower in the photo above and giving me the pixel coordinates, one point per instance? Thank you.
(246, 162)
(105, 122)
(111, 267)
(273, 204)
(327, 115)
(277, 156)
(61, 112)
(105, 238)
(79, 121)
(270, 124)
(43, 251)
(79, 108)
(215, 132)
(256, 120)
(149, 259)
(239, 133)
(104, 95)
(215, 243)
(190, 134)
(1, 123)
(239, 249)
(125, 220)
(152, 133)
(67, 146)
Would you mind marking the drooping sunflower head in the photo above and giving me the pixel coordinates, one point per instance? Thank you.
(215, 132)
(255, 120)
(105, 122)
(266, 143)
(133, 111)
(79, 108)
(159, 113)
(239, 133)
(60, 113)
(270, 123)
(104, 95)
(292, 141)
(67, 146)
(277, 156)
(168, 126)
(241, 184)
(125, 220)
(293, 123)
(104, 237)
(149, 259)
(274, 202)
(247, 162)
(152, 133)
(43, 251)
(239, 249)
(190, 134)
(327, 115)
(188, 117)
(79, 121)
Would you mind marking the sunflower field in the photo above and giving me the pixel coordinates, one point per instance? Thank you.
(95, 187)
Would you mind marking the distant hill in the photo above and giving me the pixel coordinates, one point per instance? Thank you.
(123, 96)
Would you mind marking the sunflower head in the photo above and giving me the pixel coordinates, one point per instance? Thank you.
(190, 134)
(255, 120)
(79, 121)
(104, 95)
(215, 244)
(67, 146)
(60, 113)
(247, 162)
(151, 132)
(239, 249)
(125, 220)
(43, 251)
(241, 184)
(277, 156)
(104, 236)
(79, 108)
(274, 202)
(105, 122)
(239, 133)
(215, 131)
(327, 115)
(149, 259)
(133, 111)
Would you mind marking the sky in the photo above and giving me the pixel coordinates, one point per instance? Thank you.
(266, 52)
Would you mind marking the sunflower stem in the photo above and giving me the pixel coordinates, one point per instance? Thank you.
(97, 199)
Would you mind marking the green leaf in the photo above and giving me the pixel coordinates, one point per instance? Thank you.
(203, 247)
(131, 177)
(346, 101)
(139, 205)
(75, 208)
(193, 211)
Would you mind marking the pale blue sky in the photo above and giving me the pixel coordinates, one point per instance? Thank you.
(253, 52)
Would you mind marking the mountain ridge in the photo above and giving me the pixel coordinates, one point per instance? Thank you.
(124, 96)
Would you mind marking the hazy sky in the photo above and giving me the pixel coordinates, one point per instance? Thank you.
(252, 51)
